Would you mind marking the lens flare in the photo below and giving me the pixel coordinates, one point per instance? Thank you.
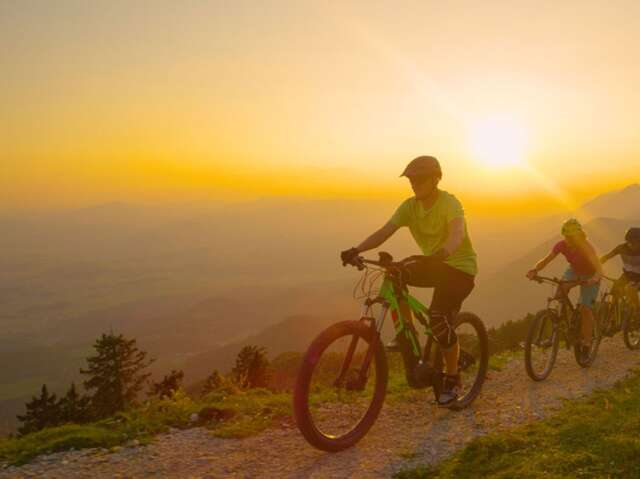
(498, 142)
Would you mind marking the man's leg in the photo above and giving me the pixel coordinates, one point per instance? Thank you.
(444, 305)
(451, 357)
(448, 296)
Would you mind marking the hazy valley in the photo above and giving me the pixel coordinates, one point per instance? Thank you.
(193, 284)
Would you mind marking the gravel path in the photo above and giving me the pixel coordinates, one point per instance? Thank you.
(406, 434)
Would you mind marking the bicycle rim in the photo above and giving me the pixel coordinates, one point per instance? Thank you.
(541, 346)
(337, 399)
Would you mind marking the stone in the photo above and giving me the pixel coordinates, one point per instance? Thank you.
(215, 414)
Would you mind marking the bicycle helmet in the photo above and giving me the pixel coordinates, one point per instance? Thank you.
(571, 227)
(423, 166)
(632, 235)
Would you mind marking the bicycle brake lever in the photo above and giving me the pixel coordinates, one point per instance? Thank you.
(357, 262)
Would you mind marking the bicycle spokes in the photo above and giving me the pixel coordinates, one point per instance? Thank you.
(466, 361)
(342, 386)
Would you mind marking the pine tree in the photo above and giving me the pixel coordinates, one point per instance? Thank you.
(252, 367)
(169, 384)
(74, 407)
(115, 374)
(213, 382)
(42, 411)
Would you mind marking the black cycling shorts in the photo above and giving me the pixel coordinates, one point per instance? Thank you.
(451, 286)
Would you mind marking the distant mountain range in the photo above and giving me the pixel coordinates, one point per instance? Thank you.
(621, 204)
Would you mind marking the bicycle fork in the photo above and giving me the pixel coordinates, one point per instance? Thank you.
(375, 327)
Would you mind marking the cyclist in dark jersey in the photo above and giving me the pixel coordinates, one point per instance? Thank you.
(629, 251)
(448, 262)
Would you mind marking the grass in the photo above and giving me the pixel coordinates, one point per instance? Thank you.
(20, 450)
(498, 361)
(247, 412)
(595, 437)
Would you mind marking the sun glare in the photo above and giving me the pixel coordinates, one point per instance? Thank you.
(498, 142)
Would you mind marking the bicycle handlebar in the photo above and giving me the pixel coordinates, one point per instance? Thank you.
(385, 261)
(543, 279)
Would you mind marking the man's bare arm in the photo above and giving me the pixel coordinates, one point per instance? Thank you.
(456, 235)
(377, 238)
(609, 255)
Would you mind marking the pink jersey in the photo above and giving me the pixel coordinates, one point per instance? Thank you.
(579, 257)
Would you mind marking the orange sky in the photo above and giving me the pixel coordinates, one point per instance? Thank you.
(111, 101)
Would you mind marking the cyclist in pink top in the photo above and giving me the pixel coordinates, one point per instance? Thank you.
(585, 266)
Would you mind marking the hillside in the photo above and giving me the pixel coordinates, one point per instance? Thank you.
(177, 331)
(622, 204)
(292, 334)
(410, 432)
(592, 437)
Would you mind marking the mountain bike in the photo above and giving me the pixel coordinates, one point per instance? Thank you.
(615, 313)
(342, 381)
(560, 320)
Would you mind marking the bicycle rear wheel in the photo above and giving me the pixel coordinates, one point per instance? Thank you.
(596, 338)
(472, 363)
(605, 315)
(631, 328)
(541, 345)
(337, 395)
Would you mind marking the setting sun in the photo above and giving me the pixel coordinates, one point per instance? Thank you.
(498, 142)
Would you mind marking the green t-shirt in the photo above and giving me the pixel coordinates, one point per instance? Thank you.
(430, 229)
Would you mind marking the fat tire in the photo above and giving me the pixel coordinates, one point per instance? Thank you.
(301, 410)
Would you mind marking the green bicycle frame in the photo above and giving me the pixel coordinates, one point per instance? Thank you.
(400, 324)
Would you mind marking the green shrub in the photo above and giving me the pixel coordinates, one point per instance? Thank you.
(61, 438)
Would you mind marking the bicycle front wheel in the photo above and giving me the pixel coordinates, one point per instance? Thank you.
(341, 386)
(541, 345)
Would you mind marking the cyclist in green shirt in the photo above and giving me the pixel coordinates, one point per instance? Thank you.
(436, 221)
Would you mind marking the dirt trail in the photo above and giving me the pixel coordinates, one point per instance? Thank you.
(406, 434)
